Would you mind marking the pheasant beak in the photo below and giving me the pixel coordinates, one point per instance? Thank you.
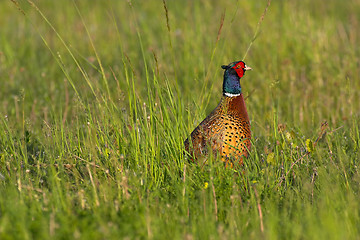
(247, 68)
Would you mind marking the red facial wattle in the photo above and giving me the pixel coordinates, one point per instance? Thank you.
(239, 68)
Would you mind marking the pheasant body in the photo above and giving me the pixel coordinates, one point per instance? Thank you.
(226, 130)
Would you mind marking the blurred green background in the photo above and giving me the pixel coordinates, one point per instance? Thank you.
(97, 97)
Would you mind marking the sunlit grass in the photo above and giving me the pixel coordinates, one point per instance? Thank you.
(96, 100)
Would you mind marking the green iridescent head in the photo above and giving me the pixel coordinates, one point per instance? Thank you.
(233, 72)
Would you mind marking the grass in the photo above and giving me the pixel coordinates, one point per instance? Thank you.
(96, 100)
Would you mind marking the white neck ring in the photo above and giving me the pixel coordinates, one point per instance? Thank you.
(232, 95)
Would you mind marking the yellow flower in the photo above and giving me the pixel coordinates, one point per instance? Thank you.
(206, 184)
(290, 135)
(271, 158)
(309, 145)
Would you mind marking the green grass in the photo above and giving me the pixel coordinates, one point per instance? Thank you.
(97, 98)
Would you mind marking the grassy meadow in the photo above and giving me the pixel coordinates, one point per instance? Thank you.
(97, 97)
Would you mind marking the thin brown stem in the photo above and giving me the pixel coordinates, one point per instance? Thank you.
(215, 202)
(257, 29)
(259, 210)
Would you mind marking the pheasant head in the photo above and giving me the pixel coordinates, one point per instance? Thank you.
(233, 72)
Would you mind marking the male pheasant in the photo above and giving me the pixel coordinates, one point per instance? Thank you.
(226, 130)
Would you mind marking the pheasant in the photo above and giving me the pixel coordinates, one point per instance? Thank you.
(226, 130)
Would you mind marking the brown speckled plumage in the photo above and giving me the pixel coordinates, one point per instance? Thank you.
(226, 131)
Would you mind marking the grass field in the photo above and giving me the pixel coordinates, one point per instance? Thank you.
(97, 97)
